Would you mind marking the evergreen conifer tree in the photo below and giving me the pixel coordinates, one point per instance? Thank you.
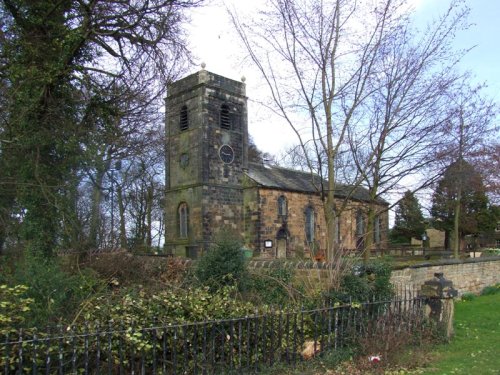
(475, 215)
(409, 220)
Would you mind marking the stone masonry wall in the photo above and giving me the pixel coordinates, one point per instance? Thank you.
(294, 223)
(196, 174)
(469, 276)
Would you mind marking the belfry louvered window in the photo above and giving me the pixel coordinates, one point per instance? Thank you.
(183, 119)
(225, 118)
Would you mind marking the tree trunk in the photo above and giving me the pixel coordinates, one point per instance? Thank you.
(447, 245)
(121, 208)
(458, 201)
(95, 214)
(2, 239)
(456, 224)
(149, 211)
(71, 225)
(368, 235)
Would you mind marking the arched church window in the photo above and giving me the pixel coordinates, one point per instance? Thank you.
(225, 118)
(183, 220)
(282, 206)
(310, 224)
(376, 230)
(360, 224)
(337, 226)
(183, 119)
(360, 230)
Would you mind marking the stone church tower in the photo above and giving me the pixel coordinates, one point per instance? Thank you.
(206, 158)
(212, 187)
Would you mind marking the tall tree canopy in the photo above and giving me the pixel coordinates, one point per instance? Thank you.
(65, 68)
(475, 215)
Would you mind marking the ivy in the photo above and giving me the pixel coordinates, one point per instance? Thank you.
(14, 306)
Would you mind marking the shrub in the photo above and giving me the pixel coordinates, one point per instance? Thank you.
(55, 294)
(468, 297)
(490, 252)
(490, 290)
(125, 269)
(392, 337)
(222, 264)
(128, 319)
(166, 307)
(14, 306)
(272, 287)
(365, 283)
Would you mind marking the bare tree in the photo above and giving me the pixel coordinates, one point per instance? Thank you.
(393, 145)
(352, 71)
(470, 129)
(317, 59)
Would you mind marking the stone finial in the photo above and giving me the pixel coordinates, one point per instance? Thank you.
(243, 78)
(203, 65)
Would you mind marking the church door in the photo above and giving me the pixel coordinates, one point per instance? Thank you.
(281, 242)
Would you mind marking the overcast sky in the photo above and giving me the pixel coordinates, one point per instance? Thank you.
(214, 43)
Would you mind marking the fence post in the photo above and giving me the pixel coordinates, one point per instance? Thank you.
(439, 293)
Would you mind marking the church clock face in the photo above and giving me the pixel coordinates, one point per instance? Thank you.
(226, 154)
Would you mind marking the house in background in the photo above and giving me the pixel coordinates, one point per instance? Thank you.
(435, 239)
(212, 187)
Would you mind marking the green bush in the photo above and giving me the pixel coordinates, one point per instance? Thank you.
(490, 290)
(490, 252)
(55, 294)
(127, 317)
(366, 282)
(223, 264)
(166, 307)
(272, 287)
(14, 306)
(468, 297)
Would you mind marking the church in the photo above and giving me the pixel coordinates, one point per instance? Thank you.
(212, 187)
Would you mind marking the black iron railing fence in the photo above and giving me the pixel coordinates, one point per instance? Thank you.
(241, 345)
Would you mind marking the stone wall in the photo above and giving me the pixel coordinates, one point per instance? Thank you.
(294, 222)
(266, 222)
(468, 276)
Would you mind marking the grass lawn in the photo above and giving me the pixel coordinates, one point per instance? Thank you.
(475, 348)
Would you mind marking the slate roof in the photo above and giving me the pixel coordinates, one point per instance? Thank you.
(273, 177)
